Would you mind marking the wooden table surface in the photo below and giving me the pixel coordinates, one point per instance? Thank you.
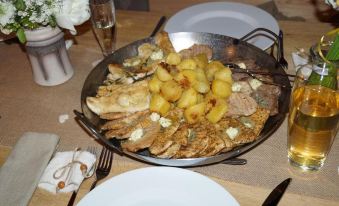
(133, 25)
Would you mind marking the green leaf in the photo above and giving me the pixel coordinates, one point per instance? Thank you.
(333, 52)
(21, 35)
(20, 5)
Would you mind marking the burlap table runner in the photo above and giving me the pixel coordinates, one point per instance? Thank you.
(26, 106)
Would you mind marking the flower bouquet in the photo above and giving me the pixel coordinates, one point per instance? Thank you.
(20, 15)
(38, 24)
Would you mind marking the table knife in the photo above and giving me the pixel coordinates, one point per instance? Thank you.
(275, 196)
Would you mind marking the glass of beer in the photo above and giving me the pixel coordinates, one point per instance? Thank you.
(313, 115)
(103, 23)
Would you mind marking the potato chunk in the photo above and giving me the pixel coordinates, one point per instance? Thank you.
(173, 59)
(154, 84)
(159, 104)
(221, 89)
(163, 74)
(217, 112)
(201, 60)
(224, 74)
(171, 91)
(188, 98)
(189, 64)
(194, 113)
(213, 67)
(201, 87)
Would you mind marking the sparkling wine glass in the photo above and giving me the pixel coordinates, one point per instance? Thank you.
(103, 22)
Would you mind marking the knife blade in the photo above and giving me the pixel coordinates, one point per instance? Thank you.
(275, 196)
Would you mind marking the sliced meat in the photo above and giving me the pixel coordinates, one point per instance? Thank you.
(165, 137)
(150, 132)
(244, 87)
(258, 120)
(271, 89)
(114, 115)
(170, 152)
(239, 76)
(198, 141)
(241, 105)
(215, 145)
(163, 41)
(266, 100)
(195, 50)
(145, 50)
(126, 119)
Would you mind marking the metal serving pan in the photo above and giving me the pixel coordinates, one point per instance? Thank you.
(224, 49)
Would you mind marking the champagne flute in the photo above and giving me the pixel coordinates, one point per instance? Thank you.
(103, 22)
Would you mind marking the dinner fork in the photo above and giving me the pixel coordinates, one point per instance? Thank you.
(74, 194)
(104, 166)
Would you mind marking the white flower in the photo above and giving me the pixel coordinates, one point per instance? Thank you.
(5, 31)
(333, 3)
(72, 13)
(7, 13)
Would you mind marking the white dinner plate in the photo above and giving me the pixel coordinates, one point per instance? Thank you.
(226, 18)
(159, 186)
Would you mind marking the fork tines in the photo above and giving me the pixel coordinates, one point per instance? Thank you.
(105, 160)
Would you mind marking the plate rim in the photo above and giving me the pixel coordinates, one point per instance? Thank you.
(158, 170)
(222, 5)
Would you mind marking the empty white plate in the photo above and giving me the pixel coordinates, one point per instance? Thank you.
(226, 18)
(154, 186)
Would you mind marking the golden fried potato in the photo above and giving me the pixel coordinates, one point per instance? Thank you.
(195, 113)
(159, 104)
(201, 60)
(171, 91)
(190, 75)
(200, 98)
(201, 86)
(188, 64)
(213, 67)
(188, 98)
(173, 59)
(224, 74)
(221, 88)
(163, 74)
(200, 75)
(217, 112)
(154, 84)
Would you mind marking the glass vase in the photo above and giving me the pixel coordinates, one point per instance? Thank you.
(48, 56)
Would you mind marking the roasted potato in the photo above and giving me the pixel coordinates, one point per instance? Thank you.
(221, 88)
(171, 90)
(188, 98)
(217, 112)
(201, 86)
(200, 98)
(159, 104)
(154, 84)
(213, 67)
(188, 64)
(194, 113)
(163, 74)
(173, 59)
(201, 60)
(200, 75)
(190, 75)
(224, 74)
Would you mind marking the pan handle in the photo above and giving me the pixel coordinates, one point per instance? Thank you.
(268, 34)
(95, 133)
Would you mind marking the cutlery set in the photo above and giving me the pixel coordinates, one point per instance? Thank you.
(102, 169)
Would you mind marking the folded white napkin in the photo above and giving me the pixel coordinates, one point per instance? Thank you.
(21, 172)
(60, 170)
